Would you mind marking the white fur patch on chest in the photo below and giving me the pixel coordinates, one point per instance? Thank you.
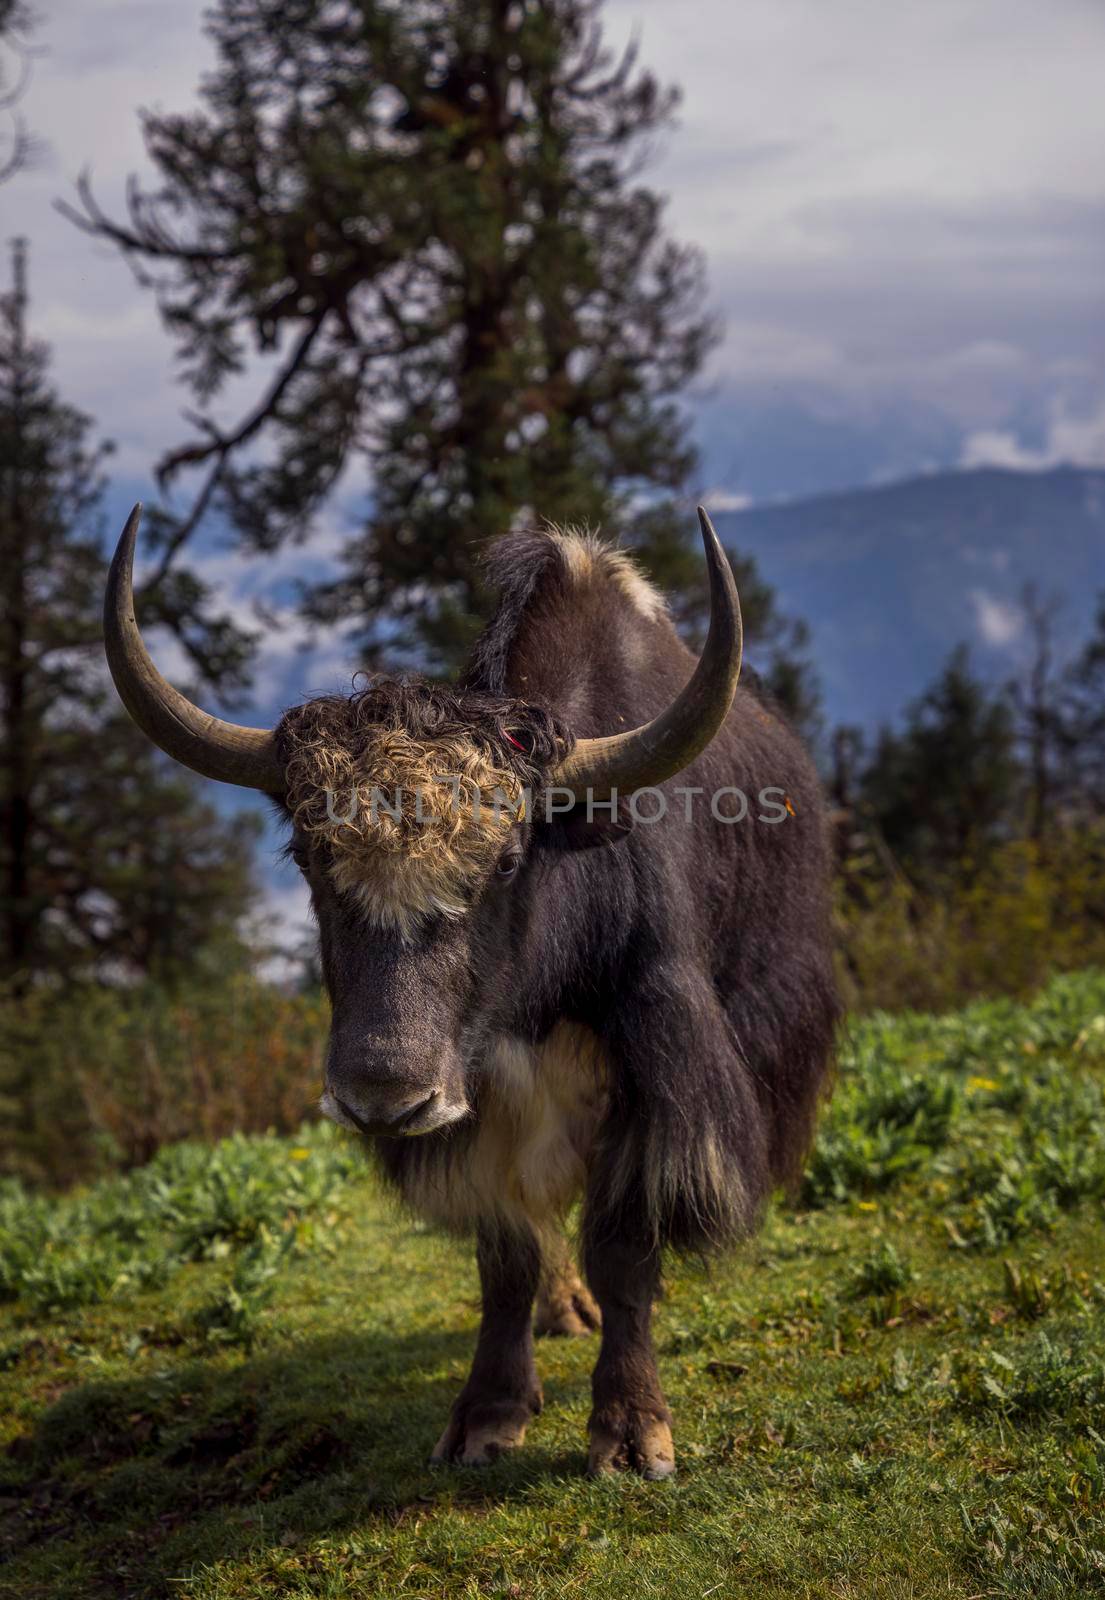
(539, 1109)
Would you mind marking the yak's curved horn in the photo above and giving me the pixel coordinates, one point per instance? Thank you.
(659, 749)
(211, 747)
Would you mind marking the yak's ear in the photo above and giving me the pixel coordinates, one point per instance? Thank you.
(574, 830)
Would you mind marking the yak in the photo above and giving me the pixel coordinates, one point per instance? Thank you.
(556, 974)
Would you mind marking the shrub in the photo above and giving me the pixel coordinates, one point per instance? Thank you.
(1026, 912)
(886, 1121)
(97, 1078)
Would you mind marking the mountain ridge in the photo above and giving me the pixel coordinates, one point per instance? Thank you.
(891, 577)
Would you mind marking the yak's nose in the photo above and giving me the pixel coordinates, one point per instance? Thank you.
(420, 1115)
(394, 1120)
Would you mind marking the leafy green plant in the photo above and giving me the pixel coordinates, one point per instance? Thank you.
(1034, 1293)
(192, 1202)
(1001, 1097)
(881, 1273)
(1047, 1378)
(233, 1316)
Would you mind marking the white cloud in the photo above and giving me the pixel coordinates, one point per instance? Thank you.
(1070, 441)
(726, 500)
(997, 447)
(809, 103)
(999, 623)
(765, 352)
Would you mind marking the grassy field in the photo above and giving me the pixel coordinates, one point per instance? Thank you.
(221, 1376)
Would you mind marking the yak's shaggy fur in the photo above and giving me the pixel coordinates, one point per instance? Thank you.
(529, 1008)
(522, 1160)
(700, 953)
(697, 954)
(639, 1014)
(414, 788)
(588, 558)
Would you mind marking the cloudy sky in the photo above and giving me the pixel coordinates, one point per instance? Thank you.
(903, 210)
(902, 207)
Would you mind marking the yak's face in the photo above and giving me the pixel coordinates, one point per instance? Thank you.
(406, 803)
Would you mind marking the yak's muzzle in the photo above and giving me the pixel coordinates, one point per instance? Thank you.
(381, 1113)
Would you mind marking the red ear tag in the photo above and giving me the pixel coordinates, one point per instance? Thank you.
(514, 741)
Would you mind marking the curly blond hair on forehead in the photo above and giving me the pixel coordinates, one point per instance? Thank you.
(413, 789)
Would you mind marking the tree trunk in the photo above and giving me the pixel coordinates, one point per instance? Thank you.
(18, 919)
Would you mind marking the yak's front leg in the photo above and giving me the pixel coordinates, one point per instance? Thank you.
(503, 1393)
(630, 1423)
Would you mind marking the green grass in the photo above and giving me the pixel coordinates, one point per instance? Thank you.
(221, 1376)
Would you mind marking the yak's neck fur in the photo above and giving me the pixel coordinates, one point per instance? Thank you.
(578, 630)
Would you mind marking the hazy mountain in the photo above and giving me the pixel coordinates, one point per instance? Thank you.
(890, 579)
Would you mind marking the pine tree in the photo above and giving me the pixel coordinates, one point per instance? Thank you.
(1035, 697)
(1081, 720)
(943, 790)
(15, 26)
(109, 861)
(428, 218)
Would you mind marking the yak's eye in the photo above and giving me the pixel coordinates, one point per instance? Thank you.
(300, 856)
(508, 864)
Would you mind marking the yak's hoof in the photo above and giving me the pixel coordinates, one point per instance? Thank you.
(631, 1441)
(568, 1314)
(479, 1431)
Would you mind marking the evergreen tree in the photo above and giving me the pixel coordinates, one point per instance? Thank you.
(109, 862)
(1082, 726)
(428, 218)
(1035, 697)
(942, 791)
(847, 748)
(15, 23)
